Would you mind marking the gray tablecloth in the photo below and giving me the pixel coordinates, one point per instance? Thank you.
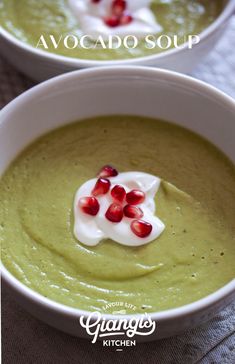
(26, 340)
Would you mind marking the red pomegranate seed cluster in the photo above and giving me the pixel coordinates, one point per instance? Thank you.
(124, 204)
(119, 14)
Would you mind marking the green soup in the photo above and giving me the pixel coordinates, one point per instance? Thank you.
(27, 20)
(192, 258)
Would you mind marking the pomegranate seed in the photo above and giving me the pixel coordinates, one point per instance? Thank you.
(114, 213)
(118, 7)
(133, 212)
(141, 228)
(135, 197)
(126, 19)
(95, 1)
(112, 21)
(118, 193)
(108, 171)
(102, 186)
(89, 205)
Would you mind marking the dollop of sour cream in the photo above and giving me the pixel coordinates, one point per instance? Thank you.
(90, 230)
(90, 16)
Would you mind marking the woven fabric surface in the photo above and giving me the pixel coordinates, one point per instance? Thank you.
(27, 340)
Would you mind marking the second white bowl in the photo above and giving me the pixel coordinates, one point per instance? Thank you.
(41, 65)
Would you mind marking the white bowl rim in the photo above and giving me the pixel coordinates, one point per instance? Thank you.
(190, 82)
(83, 63)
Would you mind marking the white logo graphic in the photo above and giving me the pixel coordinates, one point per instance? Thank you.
(99, 328)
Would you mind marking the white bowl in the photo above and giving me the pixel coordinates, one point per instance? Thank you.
(118, 90)
(41, 65)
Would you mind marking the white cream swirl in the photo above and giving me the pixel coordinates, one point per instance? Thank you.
(90, 230)
(90, 17)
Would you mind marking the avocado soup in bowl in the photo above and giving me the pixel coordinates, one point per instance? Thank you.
(60, 260)
(64, 36)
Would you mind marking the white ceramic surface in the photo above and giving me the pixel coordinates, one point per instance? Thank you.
(118, 90)
(41, 65)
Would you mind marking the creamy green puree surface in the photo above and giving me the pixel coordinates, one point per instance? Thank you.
(29, 19)
(192, 258)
